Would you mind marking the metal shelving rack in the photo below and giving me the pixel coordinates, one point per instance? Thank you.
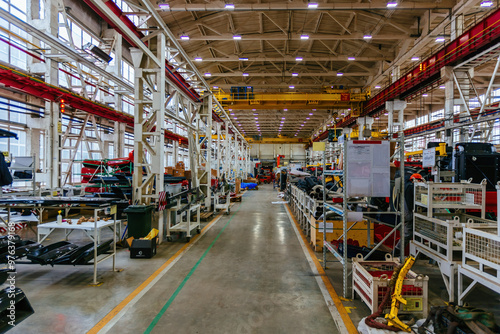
(107, 209)
(302, 211)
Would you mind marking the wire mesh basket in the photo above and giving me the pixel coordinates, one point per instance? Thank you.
(442, 234)
(451, 196)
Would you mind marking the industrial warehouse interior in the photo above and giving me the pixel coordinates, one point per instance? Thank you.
(256, 166)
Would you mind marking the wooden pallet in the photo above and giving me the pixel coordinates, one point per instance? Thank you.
(206, 216)
(236, 198)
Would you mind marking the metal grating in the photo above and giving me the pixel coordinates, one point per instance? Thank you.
(483, 247)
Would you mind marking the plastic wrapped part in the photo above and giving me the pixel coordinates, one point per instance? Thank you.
(22, 250)
(71, 257)
(43, 250)
(88, 255)
(52, 255)
(22, 307)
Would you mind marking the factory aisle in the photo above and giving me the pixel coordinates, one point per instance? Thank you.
(247, 274)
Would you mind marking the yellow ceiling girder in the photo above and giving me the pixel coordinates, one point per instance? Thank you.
(338, 99)
(282, 140)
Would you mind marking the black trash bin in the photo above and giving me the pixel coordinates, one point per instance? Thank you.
(139, 218)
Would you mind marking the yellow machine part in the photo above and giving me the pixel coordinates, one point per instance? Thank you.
(397, 299)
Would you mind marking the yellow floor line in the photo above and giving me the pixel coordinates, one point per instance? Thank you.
(336, 300)
(100, 325)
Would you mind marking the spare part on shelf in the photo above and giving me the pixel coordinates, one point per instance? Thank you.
(49, 254)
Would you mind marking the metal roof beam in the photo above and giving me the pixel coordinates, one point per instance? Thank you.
(292, 59)
(287, 74)
(295, 36)
(296, 5)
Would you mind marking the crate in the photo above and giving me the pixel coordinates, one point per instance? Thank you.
(482, 251)
(481, 260)
(370, 280)
(334, 230)
(450, 196)
(442, 234)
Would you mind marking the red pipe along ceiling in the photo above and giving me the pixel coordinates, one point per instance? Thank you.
(477, 39)
(39, 88)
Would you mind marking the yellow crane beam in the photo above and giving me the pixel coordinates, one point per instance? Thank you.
(282, 140)
(337, 99)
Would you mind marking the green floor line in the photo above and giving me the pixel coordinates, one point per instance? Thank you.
(179, 288)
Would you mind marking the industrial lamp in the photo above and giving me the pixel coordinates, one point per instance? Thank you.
(94, 50)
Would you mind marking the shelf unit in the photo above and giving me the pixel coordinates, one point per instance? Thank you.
(97, 207)
(175, 209)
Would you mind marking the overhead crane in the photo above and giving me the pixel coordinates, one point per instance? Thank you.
(329, 99)
(477, 45)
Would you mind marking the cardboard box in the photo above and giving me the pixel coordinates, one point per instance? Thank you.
(187, 174)
(180, 165)
(179, 172)
(238, 186)
(334, 229)
(169, 170)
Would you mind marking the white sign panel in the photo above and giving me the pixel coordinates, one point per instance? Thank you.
(429, 157)
(368, 172)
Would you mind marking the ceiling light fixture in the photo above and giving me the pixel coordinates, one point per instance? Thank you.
(440, 39)
(312, 5)
(339, 74)
(163, 5)
(208, 74)
(310, 114)
(351, 58)
(441, 87)
(285, 109)
(425, 95)
(295, 74)
(377, 87)
(229, 6)
(245, 74)
(236, 37)
(386, 114)
(243, 59)
(198, 59)
(415, 58)
(367, 36)
(185, 37)
(486, 3)
(291, 87)
(299, 59)
(304, 36)
(392, 4)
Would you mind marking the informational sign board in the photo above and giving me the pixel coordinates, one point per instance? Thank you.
(429, 157)
(368, 172)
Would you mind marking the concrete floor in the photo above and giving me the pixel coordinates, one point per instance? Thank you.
(246, 274)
